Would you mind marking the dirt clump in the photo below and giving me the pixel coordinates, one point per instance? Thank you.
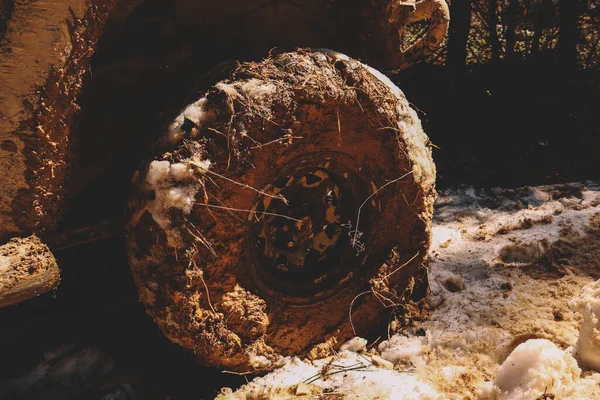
(27, 269)
(574, 253)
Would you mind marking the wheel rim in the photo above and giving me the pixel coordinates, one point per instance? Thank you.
(305, 249)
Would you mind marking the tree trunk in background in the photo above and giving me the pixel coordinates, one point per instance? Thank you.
(460, 25)
(539, 27)
(493, 24)
(568, 35)
(511, 28)
(590, 58)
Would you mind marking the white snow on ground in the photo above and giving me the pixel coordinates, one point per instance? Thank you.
(514, 309)
(534, 367)
(588, 344)
(351, 375)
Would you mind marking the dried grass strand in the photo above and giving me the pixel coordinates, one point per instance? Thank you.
(206, 171)
(352, 305)
(249, 211)
(355, 238)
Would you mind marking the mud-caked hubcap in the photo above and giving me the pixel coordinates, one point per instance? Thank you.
(301, 241)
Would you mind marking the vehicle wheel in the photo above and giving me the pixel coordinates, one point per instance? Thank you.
(276, 199)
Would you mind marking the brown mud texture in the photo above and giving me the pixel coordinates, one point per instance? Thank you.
(288, 207)
(45, 56)
(27, 269)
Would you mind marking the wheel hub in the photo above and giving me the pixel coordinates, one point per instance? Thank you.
(300, 242)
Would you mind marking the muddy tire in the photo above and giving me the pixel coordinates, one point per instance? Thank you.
(276, 199)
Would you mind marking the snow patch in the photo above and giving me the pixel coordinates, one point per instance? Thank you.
(256, 89)
(444, 237)
(588, 344)
(174, 187)
(197, 113)
(260, 362)
(402, 349)
(346, 374)
(534, 368)
(356, 344)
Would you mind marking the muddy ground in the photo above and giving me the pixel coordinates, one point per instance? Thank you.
(504, 265)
